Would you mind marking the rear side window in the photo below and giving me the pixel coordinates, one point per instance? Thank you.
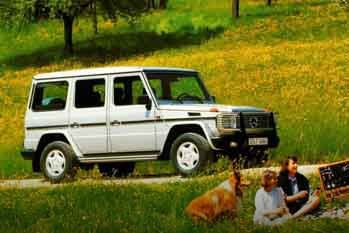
(90, 93)
(50, 96)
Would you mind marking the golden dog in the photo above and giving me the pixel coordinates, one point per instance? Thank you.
(222, 200)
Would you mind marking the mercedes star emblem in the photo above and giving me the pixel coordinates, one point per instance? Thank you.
(253, 122)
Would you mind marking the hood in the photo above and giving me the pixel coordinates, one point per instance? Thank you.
(207, 107)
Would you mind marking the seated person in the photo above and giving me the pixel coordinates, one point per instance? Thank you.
(270, 203)
(297, 189)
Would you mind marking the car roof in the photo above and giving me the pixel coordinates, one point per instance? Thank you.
(106, 70)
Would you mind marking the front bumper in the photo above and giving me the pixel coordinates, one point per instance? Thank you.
(27, 154)
(240, 138)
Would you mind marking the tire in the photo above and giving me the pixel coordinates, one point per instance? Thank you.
(116, 169)
(200, 153)
(57, 161)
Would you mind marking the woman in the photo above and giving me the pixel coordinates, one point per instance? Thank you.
(270, 204)
(297, 189)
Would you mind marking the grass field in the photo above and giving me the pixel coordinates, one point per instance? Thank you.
(133, 208)
(291, 58)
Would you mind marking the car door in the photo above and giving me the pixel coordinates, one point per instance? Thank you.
(132, 126)
(87, 121)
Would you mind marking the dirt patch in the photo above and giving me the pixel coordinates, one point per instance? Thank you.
(42, 183)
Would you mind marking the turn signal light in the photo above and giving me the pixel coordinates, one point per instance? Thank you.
(214, 110)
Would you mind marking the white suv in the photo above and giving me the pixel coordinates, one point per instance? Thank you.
(116, 116)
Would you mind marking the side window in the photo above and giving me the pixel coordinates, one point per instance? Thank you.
(139, 92)
(90, 93)
(156, 86)
(129, 91)
(120, 92)
(50, 96)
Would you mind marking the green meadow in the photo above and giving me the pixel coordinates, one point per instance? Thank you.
(291, 58)
(135, 208)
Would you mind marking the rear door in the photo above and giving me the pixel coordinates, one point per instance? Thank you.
(47, 109)
(87, 121)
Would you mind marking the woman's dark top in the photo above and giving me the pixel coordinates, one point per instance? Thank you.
(286, 185)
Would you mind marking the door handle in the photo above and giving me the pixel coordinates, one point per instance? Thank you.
(75, 125)
(115, 122)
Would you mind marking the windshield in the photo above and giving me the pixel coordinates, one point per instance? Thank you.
(178, 88)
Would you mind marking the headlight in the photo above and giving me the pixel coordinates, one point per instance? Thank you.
(226, 122)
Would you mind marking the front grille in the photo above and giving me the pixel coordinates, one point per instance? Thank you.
(257, 121)
(227, 122)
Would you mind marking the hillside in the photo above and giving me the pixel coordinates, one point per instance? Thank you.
(291, 58)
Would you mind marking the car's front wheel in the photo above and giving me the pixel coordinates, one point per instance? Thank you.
(190, 152)
(57, 161)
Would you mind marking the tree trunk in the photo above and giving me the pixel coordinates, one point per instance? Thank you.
(269, 2)
(151, 4)
(94, 17)
(235, 8)
(163, 4)
(68, 33)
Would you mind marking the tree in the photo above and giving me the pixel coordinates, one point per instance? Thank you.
(94, 17)
(27, 11)
(163, 4)
(153, 4)
(235, 8)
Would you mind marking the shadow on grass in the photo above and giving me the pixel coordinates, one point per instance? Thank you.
(276, 11)
(108, 47)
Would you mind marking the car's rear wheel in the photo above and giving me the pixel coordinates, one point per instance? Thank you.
(121, 169)
(57, 161)
(190, 153)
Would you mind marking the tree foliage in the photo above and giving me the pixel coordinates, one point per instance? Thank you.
(15, 12)
(345, 4)
(19, 12)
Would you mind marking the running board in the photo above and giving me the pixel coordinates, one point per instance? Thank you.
(125, 158)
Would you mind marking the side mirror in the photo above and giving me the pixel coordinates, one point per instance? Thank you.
(144, 99)
(148, 103)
